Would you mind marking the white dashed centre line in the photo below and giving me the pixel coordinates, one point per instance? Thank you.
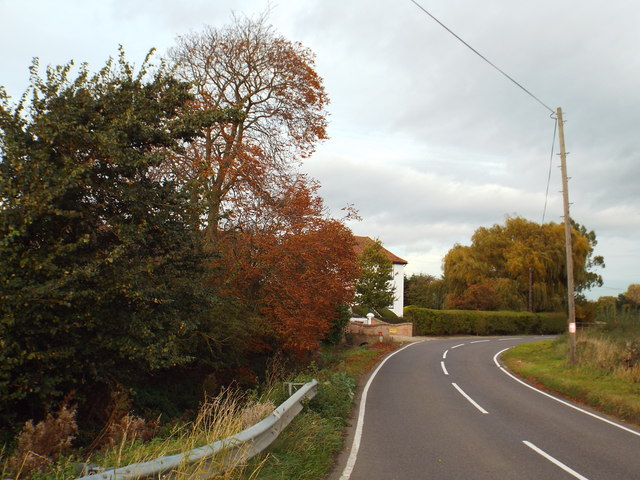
(554, 461)
(471, 401)
(444, 369)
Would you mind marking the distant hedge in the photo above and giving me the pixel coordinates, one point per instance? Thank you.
(473, 322)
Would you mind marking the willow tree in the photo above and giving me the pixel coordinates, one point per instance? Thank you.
(522, 257)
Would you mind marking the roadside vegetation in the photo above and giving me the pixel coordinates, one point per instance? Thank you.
(305, 450)
(478, 322)
(606, 375)
(157, 241)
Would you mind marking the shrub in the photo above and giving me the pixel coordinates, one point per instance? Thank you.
(40, 445)
(475, 322)
(336, 331)
(383, 314)
(334, 397)
(388, 316)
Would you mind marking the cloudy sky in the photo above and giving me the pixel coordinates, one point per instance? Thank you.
(428, 141)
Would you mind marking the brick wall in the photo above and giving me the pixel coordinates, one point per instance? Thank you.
(388, 330)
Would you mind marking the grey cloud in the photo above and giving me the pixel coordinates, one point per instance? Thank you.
(428, 141)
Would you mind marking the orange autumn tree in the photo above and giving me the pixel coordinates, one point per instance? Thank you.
(282, 259)
(275, 103)
(295, 267)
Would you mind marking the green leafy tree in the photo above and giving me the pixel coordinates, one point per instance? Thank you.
(101, 264)
(424, 291)
(630, 299)
(374, 289)
(518, 251)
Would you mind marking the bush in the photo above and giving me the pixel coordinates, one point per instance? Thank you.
(40, 446)
(474, 322)
(383, 314)
(335, 396)
(336, 331)
(359, 311)
(388, 316)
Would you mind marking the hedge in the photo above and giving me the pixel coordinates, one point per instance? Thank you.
(473, 322)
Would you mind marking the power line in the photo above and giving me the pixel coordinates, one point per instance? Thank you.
(546, 195)
(483, 57)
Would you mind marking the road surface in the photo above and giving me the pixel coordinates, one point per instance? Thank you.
(445, 409)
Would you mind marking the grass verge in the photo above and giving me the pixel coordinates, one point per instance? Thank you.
(545, 365)
(307, 448)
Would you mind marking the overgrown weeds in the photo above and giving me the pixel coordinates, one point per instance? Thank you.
(39, 446)
(614, 347)
(305, 450)
(38, 455)
(122, 424)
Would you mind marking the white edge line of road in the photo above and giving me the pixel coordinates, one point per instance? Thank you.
(471, 401)
(444, 369)
(355, 446)
(554, 460)
(504, 370)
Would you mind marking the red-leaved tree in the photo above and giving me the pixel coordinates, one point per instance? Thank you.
(282, 259)
(294, 267)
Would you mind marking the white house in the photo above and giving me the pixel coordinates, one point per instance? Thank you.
(398, 273)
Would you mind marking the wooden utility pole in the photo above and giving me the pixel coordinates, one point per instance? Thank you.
(571, 320)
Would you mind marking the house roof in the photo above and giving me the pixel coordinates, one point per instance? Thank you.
(363, 242)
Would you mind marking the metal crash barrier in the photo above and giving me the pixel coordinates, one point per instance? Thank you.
(227, 453)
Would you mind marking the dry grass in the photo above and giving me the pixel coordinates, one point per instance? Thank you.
(218, 418)
(121, 424)
(40, 446)
(618, 356)
(122, 441)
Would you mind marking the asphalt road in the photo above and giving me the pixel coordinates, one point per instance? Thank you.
(444, 409)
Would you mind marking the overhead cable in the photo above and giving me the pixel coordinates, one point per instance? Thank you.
(482, 56)
(546, 195)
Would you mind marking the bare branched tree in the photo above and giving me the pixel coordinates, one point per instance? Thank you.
(276, 102)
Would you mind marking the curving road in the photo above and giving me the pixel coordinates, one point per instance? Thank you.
(445, 409)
